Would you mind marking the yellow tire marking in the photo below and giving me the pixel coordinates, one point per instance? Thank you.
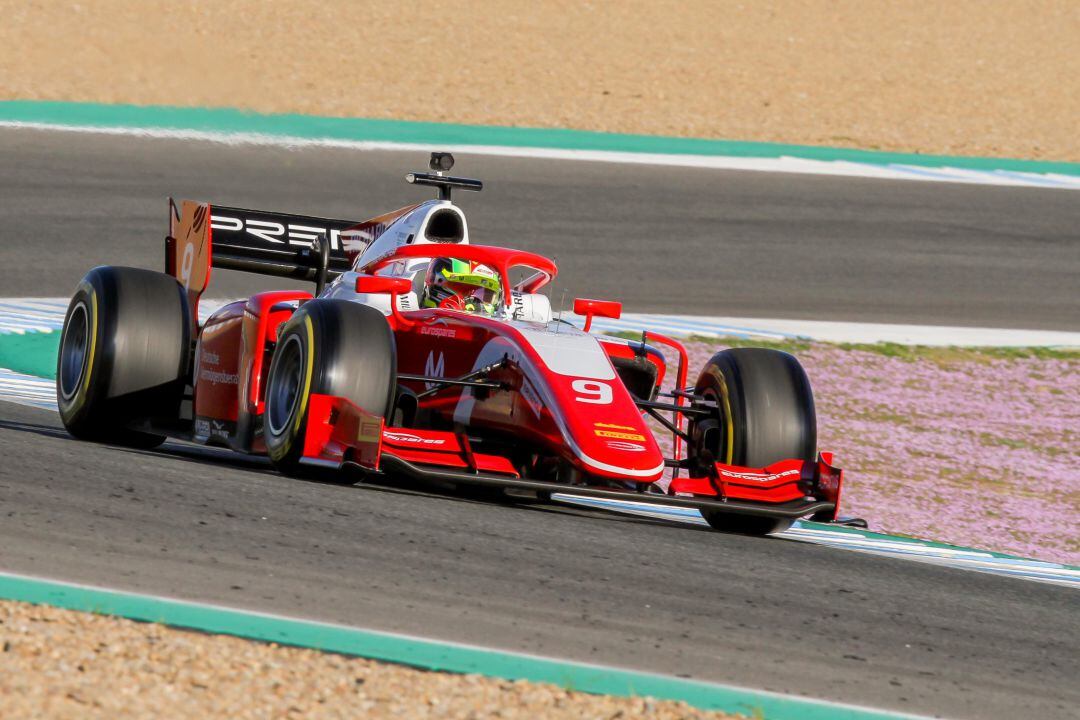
(729, 440)
(91, 322)
(287, 441)
(730, 430)
(307, 376)
(93, 340)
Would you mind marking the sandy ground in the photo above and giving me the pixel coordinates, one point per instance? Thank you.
(63, 664)
(976, 77)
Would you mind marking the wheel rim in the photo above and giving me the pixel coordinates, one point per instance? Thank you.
(284, 391)
(74, 351)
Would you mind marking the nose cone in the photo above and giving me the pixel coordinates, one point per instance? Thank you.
(601, 426)
(616, 444)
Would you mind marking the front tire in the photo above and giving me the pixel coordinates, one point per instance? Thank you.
(124, 352)
(765, 414)
(328, 347)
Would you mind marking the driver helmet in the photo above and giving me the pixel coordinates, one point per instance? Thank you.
(461, 285)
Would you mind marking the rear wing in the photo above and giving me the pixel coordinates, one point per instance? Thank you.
(302, 247)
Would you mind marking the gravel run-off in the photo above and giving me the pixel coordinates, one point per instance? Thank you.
(62, 664)
(962, 77)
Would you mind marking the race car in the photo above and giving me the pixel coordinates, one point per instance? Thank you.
(421, 355)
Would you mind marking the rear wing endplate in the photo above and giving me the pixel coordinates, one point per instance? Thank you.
(202, 236)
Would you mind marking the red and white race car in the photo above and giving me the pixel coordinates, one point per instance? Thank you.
(423, 355)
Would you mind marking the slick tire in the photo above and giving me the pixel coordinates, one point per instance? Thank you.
(765, 414)
(124, 353)
(328, 347)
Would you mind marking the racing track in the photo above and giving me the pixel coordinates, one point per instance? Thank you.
(779, 615)
(706, 242)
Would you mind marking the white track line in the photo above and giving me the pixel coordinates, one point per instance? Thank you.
(963, 558)
(783, 164)
(843, 332)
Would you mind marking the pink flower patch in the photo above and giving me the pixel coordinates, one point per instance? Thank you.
(976, 451)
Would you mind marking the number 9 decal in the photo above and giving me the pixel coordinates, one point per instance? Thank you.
(186, 264)
(592, 391)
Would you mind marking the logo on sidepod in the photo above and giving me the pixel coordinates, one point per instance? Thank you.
(410, 438)
(439, 331)
(532, 399)
(625, 446)
(434, 368)
(761, 477)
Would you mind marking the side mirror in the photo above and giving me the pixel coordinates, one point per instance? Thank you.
(383, 284)
(597, 308)
(395, 286)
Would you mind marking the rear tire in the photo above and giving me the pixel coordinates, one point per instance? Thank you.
(124, 353)
(328, 347)
(765, 414)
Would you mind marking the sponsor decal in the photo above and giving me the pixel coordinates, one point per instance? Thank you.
(411, 439)
(434, 368)
(210, 357)
(531, 397)
(619, 435)
(625, 446)
(211, 428)
(829, 483)
(443, 332)
(216, 376)
(517, 309)
(760, 477)
(613, 426)
(368, 431)
(277, 233)
(357, 239)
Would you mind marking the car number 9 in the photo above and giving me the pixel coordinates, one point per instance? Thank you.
(592, 391)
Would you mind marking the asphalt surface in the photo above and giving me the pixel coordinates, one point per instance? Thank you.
(660, 239)
(766, 613)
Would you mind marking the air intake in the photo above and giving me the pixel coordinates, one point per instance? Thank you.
(445, 226)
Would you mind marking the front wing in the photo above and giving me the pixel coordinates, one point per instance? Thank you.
(340, 434)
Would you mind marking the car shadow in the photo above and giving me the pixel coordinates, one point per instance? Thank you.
(36, 429)
(397, 485)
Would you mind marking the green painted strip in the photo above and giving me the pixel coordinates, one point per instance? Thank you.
(426, 654)
(225, 120)
(31, 353)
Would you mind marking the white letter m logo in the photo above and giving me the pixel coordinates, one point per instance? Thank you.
(434, 368)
